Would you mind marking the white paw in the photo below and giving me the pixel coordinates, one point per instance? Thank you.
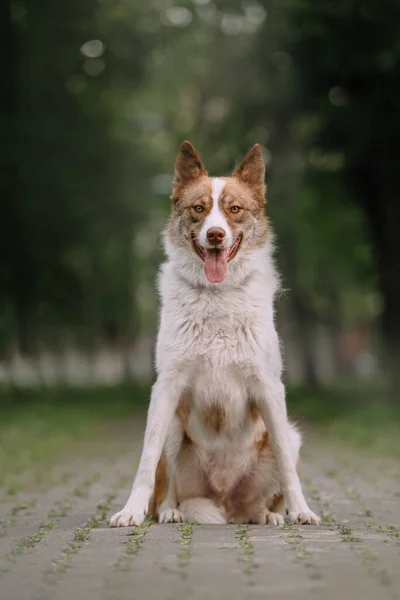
(273, 518)
(134, 511)
(170, 515)
(304, 518)
(128, 518)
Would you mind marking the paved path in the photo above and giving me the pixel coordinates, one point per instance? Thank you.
(55, 543)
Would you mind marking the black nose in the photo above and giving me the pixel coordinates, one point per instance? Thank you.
(215, 235)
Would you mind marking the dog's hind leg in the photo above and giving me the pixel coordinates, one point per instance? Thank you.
(202, 510)
(168, 510)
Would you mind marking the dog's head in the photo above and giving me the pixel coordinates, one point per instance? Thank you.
(217, 222)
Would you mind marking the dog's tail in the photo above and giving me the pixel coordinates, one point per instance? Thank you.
(201, 510)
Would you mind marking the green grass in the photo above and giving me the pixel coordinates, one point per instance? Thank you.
(134, 542)
(185, 540)
(39, 427)
(246, 549)
(34, 539)
(360, 415)
(346, 534)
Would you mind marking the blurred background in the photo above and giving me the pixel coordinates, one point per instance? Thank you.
(96, 98)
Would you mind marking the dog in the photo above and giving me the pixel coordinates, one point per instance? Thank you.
(218, 446)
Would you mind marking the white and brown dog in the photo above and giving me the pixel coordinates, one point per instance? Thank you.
(218, 446)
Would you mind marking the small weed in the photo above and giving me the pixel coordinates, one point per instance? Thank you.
(246, 549)
(327, 517)
(347, 534)
(33, 540)
(82, 490)
(331, 473)
(82, 534)
(388, 530)
(368, 558)
(293, 538)
(353, 494)
(133, 544)
(9, 522)
(365, 555)
(61, 564)
(301, 552)
(18, 508)
(186, 531)
(61, 509)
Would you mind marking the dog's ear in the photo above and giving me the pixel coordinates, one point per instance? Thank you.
(188, 168)
(251, 171)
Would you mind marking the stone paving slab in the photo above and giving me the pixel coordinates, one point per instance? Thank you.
(56, 545)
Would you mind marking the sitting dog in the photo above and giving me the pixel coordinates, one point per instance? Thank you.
(218, 446)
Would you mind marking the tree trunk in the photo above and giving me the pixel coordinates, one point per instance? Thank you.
(377, 189)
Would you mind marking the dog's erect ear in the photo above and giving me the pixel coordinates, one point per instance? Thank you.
(188, 168)
(251, 171)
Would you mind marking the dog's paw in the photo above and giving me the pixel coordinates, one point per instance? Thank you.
(274, 518)
(304, 518)
(171, 515)
(135, 510)
(128, 517)
(266, 517)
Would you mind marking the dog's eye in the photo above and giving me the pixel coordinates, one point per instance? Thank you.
(198, 208)
(235, 209)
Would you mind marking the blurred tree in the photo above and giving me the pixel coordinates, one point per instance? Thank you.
(347, 69)
(68, 205)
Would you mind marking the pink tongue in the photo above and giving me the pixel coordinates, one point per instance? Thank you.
(216, 265)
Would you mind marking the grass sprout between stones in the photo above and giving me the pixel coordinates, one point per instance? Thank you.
(34, 539)
(185, 540)
(134, 542)
(81, 536)
(246, 548)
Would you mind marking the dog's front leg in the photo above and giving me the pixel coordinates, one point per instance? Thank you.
(164, 401)
(271, 399)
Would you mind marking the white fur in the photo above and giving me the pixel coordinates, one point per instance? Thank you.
(218, 341)
(215, 217)
(202, 510)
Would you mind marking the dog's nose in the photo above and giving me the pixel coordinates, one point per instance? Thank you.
(215, 235)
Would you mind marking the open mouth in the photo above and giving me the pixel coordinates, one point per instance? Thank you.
(216, 259)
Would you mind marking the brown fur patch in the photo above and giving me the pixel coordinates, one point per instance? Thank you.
(260, 444)
(214, 417)
(277, 503)
(188, 168)
(185, 222)
(250, 219)
(251, 172)
(160, 487)
(184, 407)
(255, 412)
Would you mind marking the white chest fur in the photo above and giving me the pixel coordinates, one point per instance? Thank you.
(220, 326)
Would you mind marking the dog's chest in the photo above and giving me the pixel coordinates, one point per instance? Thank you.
(221, 330)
